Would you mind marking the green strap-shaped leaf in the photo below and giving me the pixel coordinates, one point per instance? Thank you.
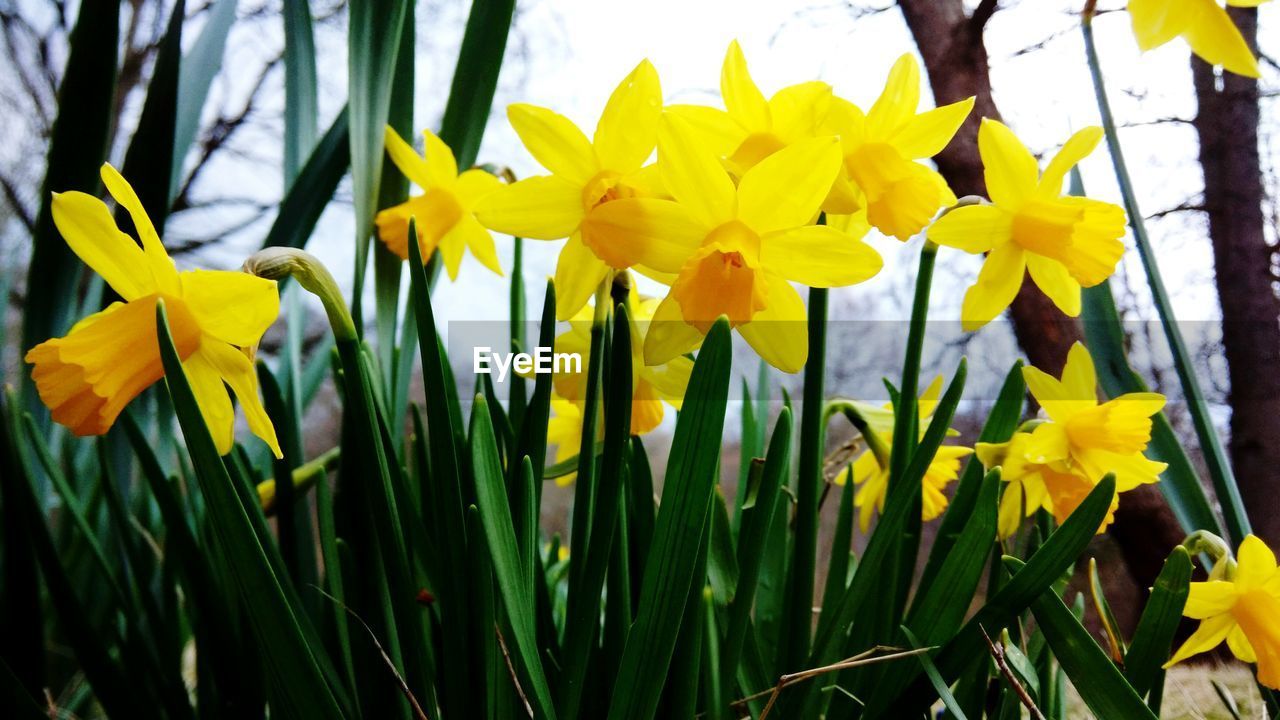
(499, 532)
(1099, 682)
(1160, 619)
(476, 78)
(77, 146)
(300, 97)
(670, 573)
(199, 68)
(150, 160)
(298, 686)
(311, 191)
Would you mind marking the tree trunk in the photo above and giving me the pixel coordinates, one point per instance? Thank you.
(1227, 124)
(956, 59)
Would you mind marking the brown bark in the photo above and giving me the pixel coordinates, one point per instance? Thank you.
(1227, 124)
(956, 59)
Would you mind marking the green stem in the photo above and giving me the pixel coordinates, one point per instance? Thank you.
(797, 612)
(1215, 456)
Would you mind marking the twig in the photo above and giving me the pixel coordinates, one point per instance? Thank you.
(867, 657)
(997, 653)
(981, 14)
(506, 657)
(404, 686)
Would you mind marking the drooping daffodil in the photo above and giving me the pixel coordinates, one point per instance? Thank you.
(1065, 242)
(445, 212)
(217, 318)
(585, 175)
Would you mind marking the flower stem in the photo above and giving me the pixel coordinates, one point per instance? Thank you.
(905, 423)
(1215, 456)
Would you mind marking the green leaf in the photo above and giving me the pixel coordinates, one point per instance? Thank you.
(475, 78)
(999, 427)
(495, 515)
(1100, 684)
(373, 43)
(300, 97)
(299, 687)
(200, 66)
(78, 145)
(1153, 637)
(1215, 455)
(311, 191)
(757, 518)
(150, 160)
(583, 614)
(939, 686)
(670, 573)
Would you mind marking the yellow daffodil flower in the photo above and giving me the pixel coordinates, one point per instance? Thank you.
(1240, 603)
(1065, 242)
(585, 176)
(1204, 24)
(1056, 465)
(873, 478)
(651, 385)
(444, 212)
(733, 249)
(881, 148)
(751, 128)
(1032, 486)
(88, 376)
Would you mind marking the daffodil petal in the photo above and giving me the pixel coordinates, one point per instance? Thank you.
(1010, 513)
(972, 228)
(476, 238)
(785, 190)
(578, 274)
(237, 371)
(820, 256)
(1256, 564)
(407, 160)
(671, 379)
(646, 409)
(798, 111)
(474, 185)
(1077, 147)
(555, 142)
(1009, 167)
(1156, 22)
(1079, 376)
(1207, 599)
(234, 307)
(926, 134)
(628, 127)
(669, 336)
(1053, 280)
(715, 129)
(779, 333)
(659, 234)
(161, 266)
(742, 98)
(87, 226)
(1048, 443)
(212, 399)
(1218, 41)
(541, 208)
(997, 284)
(1240, 646)
(692, 175)
(1209, 635)
(898, 103)
(441, 163)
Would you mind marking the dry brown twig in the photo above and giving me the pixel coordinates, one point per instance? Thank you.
(506, 657)
(997, 653)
